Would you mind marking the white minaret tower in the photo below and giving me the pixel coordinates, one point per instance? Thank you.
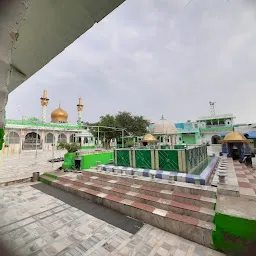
(44, 103)
(212, 108)
(80, 107)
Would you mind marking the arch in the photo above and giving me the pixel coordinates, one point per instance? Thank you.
(49, 138)
(32, 136)
(13, 138)
(62, 138)
(72, 138)
(215, 139)
(32, 141)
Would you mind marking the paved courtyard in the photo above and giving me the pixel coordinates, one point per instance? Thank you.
(34, 223)
(18, 166)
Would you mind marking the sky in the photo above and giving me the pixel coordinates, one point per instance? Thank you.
(154, 57)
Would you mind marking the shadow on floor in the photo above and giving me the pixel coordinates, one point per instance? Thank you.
(98, 211)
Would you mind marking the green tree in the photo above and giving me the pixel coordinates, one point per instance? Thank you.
(133, 125)
(70, 147)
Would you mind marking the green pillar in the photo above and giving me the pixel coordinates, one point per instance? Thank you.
(1, 138)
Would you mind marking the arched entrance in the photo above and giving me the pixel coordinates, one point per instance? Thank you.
(62, 138)
(215, 139)
(32, 141)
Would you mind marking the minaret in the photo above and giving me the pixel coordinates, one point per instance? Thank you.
(44, 103)
(212, 108)
(80, 107)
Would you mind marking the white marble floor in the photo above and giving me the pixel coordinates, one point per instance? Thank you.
(34, 223)
(22, 165)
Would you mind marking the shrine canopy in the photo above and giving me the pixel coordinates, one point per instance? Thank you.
(235, 137)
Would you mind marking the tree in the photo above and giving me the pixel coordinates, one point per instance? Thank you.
(133, 125)
(70, 147)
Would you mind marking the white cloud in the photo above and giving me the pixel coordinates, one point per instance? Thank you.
(152, 57)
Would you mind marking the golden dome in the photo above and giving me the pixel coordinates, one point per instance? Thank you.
(235, 136)
(59, 116)
(149, 138)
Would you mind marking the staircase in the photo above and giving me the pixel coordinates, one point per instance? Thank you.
(184, 209)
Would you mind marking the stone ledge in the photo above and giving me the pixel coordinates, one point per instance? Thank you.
(12, 182)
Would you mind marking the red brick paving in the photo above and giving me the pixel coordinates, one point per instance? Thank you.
(142, 196)
(60, 182)
(241, 175)
(92, 192)
(122, 183)
(185, 206)
(75, 187)
(96, 185)
(146, 197)
(244, 184)
(183, 218)
(145, 207)
(118, 190)
(197, 197)
(114, 198)
(247, 173)
(150, 188)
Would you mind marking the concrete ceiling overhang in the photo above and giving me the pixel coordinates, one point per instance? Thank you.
(33, 32)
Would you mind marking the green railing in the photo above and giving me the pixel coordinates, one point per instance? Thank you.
(161, 158)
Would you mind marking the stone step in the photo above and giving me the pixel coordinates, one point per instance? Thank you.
(191, 228)
(46, 179)
(165, 204)
(177, 186)
(150, 190)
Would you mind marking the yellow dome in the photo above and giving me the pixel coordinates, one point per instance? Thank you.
(149, 138)
(235, 136)
(59, 116)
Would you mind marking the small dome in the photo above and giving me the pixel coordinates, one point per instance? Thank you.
(163, 126)
(59, 116)
(149, 138)
(235, 136)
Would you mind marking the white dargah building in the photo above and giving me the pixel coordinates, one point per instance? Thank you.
(35, 134)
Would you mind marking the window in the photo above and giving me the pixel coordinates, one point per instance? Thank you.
(49, 138)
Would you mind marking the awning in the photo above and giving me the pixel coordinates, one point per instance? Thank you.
(251, 135)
